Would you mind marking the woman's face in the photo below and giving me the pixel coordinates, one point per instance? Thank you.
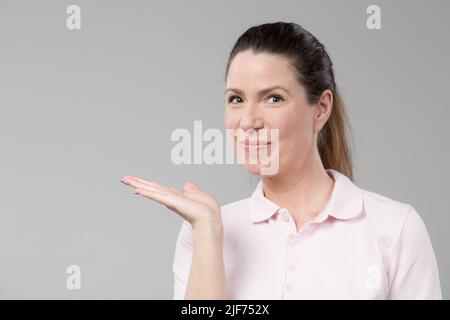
(249, 108)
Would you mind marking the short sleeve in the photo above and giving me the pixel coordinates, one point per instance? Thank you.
(182, 260)
(413, 272)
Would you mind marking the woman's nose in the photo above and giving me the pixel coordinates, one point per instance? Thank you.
(250, 118)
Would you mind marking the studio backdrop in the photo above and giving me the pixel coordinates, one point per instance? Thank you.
(92, 91)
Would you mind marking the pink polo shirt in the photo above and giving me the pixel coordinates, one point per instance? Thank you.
(361, 246)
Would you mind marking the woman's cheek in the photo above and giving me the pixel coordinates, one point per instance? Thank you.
(231, 123)
(231, 120)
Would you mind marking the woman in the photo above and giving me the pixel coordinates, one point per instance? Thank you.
(307, 231)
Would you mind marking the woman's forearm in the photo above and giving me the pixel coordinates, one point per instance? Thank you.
(207, 275)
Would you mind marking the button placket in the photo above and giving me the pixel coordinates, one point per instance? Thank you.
(292, 237)
(294, 242)
(292, 257)
(286, 224)
(294, 249)
(291, 273)
(292, 228)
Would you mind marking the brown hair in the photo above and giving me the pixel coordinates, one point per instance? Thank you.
(314, 71)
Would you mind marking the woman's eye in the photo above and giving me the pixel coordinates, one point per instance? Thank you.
(279, 98)
(232, 99)
(237, 99)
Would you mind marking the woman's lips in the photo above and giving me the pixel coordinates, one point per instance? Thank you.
(254, 145)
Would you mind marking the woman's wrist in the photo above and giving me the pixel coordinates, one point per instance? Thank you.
(211, 227)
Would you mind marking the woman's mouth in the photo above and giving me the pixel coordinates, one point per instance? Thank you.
(254, 145)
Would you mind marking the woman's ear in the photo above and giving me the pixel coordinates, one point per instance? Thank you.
(323, 109)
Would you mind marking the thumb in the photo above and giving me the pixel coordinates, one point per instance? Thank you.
(191, 187)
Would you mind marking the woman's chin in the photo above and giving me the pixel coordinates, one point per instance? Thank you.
(258, 170)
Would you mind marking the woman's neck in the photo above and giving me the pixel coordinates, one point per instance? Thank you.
(304, 192)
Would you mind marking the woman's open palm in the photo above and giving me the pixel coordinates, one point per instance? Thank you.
(193, 204)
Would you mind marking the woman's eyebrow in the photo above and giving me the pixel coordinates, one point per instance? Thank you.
(260, 93)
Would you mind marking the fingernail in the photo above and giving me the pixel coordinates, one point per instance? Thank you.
(194, 188)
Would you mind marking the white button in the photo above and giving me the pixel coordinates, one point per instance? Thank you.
(291, 268)
(286, 216)
(289, 287)
(292, 236)
(294, 250)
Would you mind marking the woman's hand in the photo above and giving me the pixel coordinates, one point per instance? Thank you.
(193, 205)
(207, 273)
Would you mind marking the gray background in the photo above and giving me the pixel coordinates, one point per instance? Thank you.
(80, 109)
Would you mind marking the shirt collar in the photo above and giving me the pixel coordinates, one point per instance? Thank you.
(346, 201)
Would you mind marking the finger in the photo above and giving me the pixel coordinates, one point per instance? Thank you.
(175, 190)
(167, 188)
(136, 184)
(170, 200)
(141, 180)
(141, 183)
(191, 187)
(128, 179)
